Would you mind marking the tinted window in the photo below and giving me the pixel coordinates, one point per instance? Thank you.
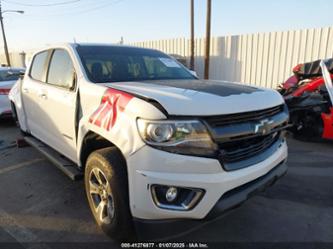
(61, 70)
(116, 64)
(38, 66)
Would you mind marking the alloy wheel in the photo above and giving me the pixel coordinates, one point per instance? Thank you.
(101, 195)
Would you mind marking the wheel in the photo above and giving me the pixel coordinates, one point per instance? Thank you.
(107, 192)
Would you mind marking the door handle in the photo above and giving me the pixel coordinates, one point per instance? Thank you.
(25, 90)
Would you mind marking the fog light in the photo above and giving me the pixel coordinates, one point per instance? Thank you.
(171, 194)
(176, 198)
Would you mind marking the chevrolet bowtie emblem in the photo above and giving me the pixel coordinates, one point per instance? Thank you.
(264, 127)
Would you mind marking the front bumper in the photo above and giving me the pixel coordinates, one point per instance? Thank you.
(166, 229)
(149, 166)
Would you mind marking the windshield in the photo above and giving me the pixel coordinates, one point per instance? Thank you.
(115, 64)
(9, 75)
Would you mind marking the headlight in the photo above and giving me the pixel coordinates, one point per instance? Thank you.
(177, 136)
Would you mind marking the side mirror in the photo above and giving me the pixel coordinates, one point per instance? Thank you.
(194, 73)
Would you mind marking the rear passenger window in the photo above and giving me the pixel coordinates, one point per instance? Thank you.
(61, 70)
(38, 66)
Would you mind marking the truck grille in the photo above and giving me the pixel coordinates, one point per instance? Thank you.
(240, 142)
(247, 148)
(216, 121)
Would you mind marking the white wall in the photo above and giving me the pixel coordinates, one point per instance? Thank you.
(264, 59)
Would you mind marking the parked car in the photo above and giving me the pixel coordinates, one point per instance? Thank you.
(309, 96)
(8, 76)
(160, 149)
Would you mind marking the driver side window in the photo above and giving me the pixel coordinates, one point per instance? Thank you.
(61, 70)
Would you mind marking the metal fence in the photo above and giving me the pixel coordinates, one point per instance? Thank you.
(263, 59)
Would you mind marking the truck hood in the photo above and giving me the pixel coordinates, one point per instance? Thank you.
(202, 97)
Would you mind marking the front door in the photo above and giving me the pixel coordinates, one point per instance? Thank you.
(57, 102)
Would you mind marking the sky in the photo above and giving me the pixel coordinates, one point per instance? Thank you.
(54, 21)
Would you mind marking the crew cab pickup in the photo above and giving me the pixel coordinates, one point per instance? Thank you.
(158, 147)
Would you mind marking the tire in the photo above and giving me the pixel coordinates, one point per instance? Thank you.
(106, 188)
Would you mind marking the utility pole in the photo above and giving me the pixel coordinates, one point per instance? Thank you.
(192, 36)
(4, 38)
(208, 27)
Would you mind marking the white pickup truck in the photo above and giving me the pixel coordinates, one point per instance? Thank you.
(160, 150)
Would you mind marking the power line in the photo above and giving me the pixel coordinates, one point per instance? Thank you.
(99, 7)
(80, 11)
(42, 5)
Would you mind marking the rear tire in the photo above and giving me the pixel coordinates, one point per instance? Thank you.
(106, 188)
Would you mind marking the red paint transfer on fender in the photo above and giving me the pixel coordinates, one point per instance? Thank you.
(113, 103)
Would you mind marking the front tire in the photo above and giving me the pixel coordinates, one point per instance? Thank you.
(107, 192)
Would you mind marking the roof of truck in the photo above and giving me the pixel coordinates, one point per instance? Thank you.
(74, 45)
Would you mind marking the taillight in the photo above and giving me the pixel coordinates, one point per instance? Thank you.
(4, 91)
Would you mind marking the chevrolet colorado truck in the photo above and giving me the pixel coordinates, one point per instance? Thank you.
(159, 149)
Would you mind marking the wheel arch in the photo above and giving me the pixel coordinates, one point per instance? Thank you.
(91, 142)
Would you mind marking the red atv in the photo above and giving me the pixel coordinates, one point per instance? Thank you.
(309, 96)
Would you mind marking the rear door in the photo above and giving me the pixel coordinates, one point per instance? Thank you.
(58, 104)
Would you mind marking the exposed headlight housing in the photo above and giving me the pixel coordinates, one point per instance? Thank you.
(189, 137)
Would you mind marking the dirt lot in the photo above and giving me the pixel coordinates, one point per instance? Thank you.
(40, 205)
